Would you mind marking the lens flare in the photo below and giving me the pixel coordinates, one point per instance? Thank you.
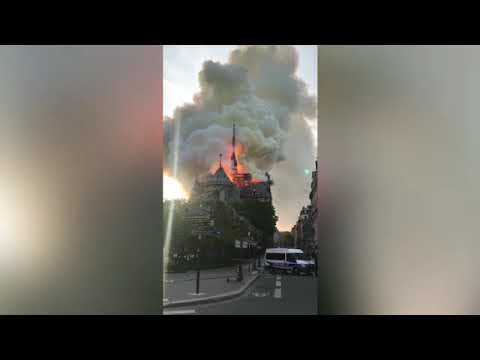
(21, 229)
(172, 189)
(10, 229)
(168, 228)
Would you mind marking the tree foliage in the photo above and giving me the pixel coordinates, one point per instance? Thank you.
(262, 216)
(288, 239)
(226, 225)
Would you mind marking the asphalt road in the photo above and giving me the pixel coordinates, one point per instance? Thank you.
(268, 295)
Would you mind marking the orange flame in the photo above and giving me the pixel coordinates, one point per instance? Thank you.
(227, 163)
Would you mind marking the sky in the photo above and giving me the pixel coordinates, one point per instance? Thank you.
(182, 63)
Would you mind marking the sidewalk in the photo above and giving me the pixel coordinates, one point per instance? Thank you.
(180, 288)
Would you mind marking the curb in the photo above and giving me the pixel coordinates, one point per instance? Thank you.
(213, 299)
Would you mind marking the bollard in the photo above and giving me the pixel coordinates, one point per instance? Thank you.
(240, 273)
(198, 281)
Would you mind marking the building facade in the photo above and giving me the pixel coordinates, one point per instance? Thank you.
(305, 230)
(314, 208)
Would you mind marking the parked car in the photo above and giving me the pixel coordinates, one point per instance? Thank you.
(288, 260)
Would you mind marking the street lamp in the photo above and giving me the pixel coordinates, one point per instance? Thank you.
(259, 248)
(199, 265)
(252, 251)
(249, 248)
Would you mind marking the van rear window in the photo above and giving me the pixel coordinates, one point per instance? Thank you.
(275, 256)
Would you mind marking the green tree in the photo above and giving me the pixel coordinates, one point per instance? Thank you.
(288, 239)
(226, 222)
(180, 238)
(262, 216)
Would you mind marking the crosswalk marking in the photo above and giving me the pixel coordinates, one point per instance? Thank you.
(179, 312)
(278, 293)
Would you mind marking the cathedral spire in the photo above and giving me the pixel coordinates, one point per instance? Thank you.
(233, 158)
(221, 160)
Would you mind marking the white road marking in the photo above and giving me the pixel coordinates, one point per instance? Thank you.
(179, 312)
(278, 293)
(165, 300)
(195, 294)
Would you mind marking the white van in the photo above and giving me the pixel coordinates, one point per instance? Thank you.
(288, 260)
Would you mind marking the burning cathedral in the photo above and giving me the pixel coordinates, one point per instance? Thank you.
(229, 184)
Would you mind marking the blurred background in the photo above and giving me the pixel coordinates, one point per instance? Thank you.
(399, 198)
(80, 179)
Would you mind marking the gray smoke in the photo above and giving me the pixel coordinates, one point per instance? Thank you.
(259, 91)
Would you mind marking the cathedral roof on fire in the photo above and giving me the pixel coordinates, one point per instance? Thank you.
(218, 178)
(221, 176)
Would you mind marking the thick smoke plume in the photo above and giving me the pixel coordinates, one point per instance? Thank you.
(259, 91)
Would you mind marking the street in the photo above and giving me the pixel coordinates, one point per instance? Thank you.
(270, 294)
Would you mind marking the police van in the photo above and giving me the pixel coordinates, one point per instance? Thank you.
(288, 260)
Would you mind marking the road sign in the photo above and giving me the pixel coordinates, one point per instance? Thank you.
(238, 244)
